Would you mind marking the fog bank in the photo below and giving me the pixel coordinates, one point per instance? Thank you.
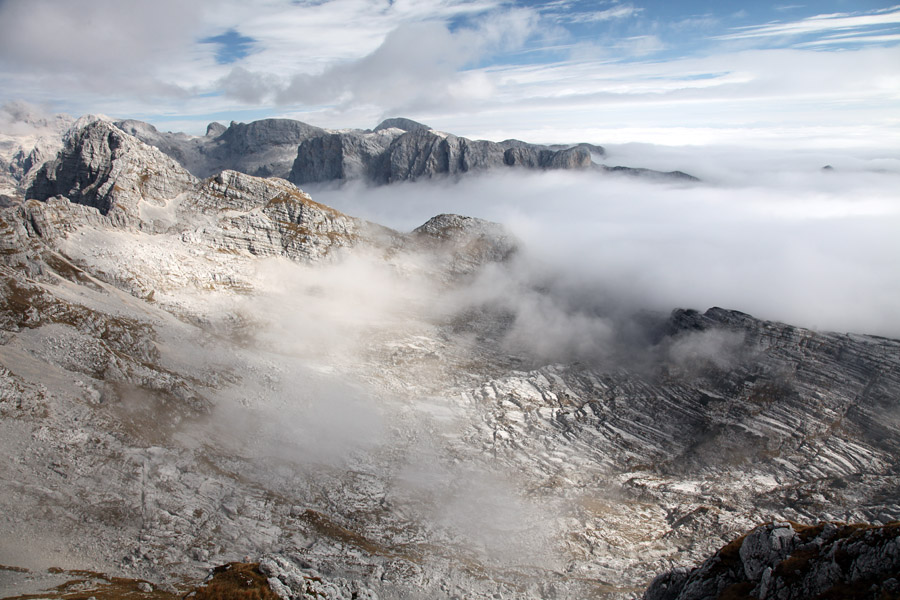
(774, 236)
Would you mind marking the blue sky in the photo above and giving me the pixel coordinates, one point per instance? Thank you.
(758, 73)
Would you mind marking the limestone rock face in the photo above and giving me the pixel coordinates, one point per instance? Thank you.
(133, 185)
(785, 561)
(30, 140)
(103, 167)
(265, 148)
(397, 149)
(268, 217)
(391, 154)
(218, 368)
(400, 123)
(466, 243)
(292, 582)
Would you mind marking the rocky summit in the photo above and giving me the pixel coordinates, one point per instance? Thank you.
(222, 373)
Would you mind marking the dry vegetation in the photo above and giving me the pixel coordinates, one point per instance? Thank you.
(234, 581)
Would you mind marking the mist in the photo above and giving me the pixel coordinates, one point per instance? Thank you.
(349, 383)
(775, 236)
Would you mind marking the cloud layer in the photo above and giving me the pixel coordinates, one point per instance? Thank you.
(774, 236)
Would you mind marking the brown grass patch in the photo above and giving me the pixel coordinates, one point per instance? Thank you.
(88, 584)
(235, 581)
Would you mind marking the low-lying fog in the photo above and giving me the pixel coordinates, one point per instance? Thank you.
(776, 236)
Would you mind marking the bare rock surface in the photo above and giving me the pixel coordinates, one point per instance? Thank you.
(105, 168)
(197, 371)
(27, 140)
(786, 561)
(265, 148)
(398, 149)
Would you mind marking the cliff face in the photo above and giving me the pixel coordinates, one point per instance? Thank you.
(396, 150)
(105, 168)
(265, 148)
(389, 154)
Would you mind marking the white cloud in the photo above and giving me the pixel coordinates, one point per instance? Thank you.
(855, 38)
(765, 97)
(619, 11)
(349, 63)
(769, 233)
(817, 24)
(95, 37)
(417, 64)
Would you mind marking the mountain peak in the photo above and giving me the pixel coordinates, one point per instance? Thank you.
(400, 123)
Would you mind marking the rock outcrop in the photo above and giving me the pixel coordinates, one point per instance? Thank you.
(265, 148)
(398, 149)
(103, 167)
(134, 185)
(268, 217)
(390, 154)
(464, 243)
(31, 140)
(787, 561)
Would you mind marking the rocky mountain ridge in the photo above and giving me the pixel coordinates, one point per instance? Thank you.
(194, 371)
(397, 149)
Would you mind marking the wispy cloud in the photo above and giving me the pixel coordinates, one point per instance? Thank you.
(417, 64)
(788, 7)
(620, 11)
(852, 38)
(818, 24)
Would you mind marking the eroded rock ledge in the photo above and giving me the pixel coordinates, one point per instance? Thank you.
(787, 561)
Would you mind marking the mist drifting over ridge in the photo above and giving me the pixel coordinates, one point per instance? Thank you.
(773, 235)
(200, 364)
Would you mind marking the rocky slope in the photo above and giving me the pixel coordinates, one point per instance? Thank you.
(787, 561)
(27, 140)
(195, 371)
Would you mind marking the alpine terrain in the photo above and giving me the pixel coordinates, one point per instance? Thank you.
(201, 365)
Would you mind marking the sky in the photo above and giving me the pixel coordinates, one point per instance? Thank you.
(767, 74)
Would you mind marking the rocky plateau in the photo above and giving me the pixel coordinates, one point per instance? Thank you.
(200, 364)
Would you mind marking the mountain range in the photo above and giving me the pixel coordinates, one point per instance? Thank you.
(397, 149)
(200, 364)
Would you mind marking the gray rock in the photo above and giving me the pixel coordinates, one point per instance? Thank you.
(103, 167)
(292, 582)
(265, 148)
(397, 149)
(161, 424)
(465, 243)
(400, 123)
(784, 561)
(649, 173)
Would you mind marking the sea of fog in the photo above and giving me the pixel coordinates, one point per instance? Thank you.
(771, 234)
